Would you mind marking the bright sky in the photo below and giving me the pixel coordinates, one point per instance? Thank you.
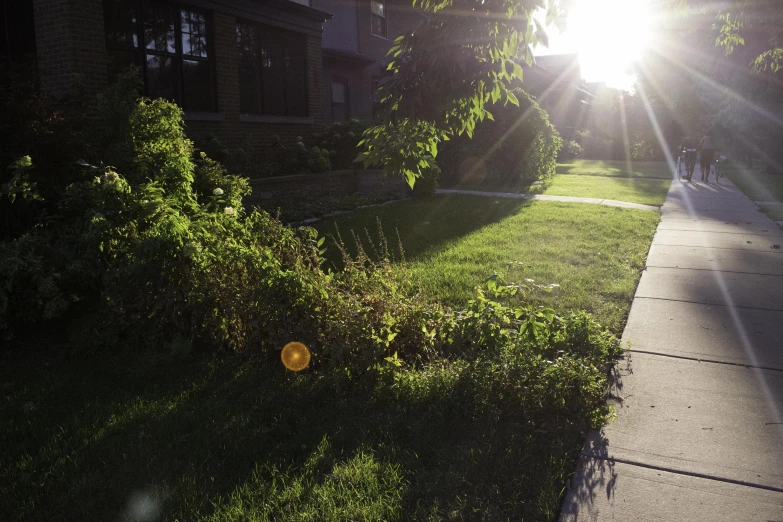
(608, 35)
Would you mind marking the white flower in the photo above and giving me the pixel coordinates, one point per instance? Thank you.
(230, 211)
(217, 192)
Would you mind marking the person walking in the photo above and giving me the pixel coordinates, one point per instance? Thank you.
(689, 148)
(707, 155)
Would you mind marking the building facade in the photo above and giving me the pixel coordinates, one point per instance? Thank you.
(242, 70)
(355, 42)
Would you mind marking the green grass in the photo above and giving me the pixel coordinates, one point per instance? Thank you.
(453, 243)
(645, 191)
(620, 169)
(224, 439)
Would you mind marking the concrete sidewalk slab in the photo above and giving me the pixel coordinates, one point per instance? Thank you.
(716, 288)
(605, 490)
(708, 225)
(707, 332)
(720, 240)
(746, 217)
(701, 191)
(710, 419)
(725, 204)
(766, 262)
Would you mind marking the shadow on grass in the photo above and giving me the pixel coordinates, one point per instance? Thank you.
(424, 226)
(218, 438)
(615, 168)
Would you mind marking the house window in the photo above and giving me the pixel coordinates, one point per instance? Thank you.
(378, 8)
(170, 43)
(272, 71)
(339, 99)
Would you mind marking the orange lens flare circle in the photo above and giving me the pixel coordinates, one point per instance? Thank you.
(295, 356)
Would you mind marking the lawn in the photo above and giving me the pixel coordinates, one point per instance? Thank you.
(645, 191)
(595, 253)
(620, 169)
(221, 438)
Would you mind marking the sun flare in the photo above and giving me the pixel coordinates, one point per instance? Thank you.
(609, 36)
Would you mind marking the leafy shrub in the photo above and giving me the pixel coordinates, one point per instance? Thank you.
(519, 145)
(595, 147)
(343, 138)
(570, 151)
(642, 151)
(299, 159)
(55, 133)
(166, 257)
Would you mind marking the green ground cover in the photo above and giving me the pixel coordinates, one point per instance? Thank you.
(595, 253)
(620, 169)
(645, 191)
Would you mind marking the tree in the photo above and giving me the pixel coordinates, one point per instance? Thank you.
(757, 24)
(447, 74)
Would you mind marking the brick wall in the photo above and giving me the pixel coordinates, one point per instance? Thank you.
(70, 43)
(271, 191)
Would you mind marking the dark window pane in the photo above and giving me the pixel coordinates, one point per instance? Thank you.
(249, 69)
(120, 19)
(339, 100)
(161, 77)
(295, 75)
(194, 33)
(198, 92)
(159, 28)
(119, 61)
(272, 72)
(378, 25)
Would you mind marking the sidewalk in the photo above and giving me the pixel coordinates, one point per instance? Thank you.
(699, 398)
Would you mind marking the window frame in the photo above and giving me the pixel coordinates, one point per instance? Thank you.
(142, 53)
(384, 17)
(284, 35)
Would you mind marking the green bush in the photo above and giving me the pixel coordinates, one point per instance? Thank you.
(570, 151)
(165, 257)
(55, 133)
(595, 146)
(342, 138)
(300, 159)
(520, 145)
(642, 151)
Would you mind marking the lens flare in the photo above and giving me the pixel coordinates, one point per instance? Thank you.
(295, 356)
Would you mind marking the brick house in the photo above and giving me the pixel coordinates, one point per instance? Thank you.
(355, 42)
(242, 70)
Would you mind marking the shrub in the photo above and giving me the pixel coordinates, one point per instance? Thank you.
(55, 133)
(595, 147)
(165, 257)
(299, 159)
(570, 151)
(342, 138)
(642, 151)
(519, 145)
